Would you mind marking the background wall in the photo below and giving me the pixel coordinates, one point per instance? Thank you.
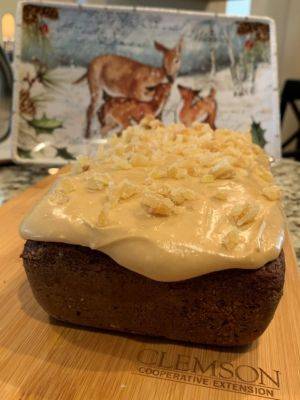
(8, 6)
(286, 14)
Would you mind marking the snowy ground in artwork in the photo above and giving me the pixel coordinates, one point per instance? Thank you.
(69, 103)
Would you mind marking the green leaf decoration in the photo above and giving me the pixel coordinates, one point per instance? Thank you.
(258, 134)
(45, 124)
(24, 153)
(64, 153)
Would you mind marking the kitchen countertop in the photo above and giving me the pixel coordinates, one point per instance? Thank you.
(16, 178)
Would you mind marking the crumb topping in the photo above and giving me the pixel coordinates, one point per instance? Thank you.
(169, 170)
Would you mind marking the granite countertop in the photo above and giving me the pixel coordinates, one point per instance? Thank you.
(16, 178)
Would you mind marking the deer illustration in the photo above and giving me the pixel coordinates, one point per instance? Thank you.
(120, 112)
(124, 77)
(195, 107)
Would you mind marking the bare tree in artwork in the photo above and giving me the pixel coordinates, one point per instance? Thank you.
(213, 50)
(255, 35)
(234, 67)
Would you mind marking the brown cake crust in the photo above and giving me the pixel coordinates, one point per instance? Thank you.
(86, 287)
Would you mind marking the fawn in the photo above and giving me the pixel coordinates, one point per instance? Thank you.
(120, 112)
(124, 77)
(195, 107)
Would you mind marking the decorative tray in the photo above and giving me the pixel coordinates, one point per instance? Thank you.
(85, 72)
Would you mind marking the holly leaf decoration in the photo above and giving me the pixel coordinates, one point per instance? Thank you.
(45, 124)
(258, 134)
(64, 153)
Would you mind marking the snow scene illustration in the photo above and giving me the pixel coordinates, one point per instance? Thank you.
(88, 73)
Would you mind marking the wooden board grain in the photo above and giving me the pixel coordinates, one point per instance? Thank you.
(44, 359)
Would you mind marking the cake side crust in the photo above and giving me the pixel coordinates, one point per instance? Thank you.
(86, 287)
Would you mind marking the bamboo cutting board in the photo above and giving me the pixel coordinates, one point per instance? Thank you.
(44, 359)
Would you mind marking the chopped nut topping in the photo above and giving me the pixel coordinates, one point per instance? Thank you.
(207, 178)
(158, 173)
(139, 160)
(123, 191)
(58, 198)
(176, 172)
(161, 166)
(180, 195)
(208, 159)
(161, 188)
(222, 170)
(232, 239)
(120, 163)
(158, 205)
(245, 213)
(263, 173)
(177, 195)
(150, 122)
(127, 189)
(97, 181)
(67, 185)
(221, 194)
(272, 192)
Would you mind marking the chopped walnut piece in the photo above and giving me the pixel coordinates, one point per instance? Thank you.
(180, 195)
(245, 213)
(232, 239)
(158, 173)
(58, 198)
(222, 170)
(206, 137)
(201, 127)
(271, 192)
(119, 149)
(263, 173)
(93, 184)
(67, 185)
(150, 122)
(221, 194)
(139, 160)
(208, 159)
(194, 170)
(158, 205)
(161, 188)
(97, 181)
(148, 181)
(176, 172)
(122, 191)
(120, 163)
(127, 189)
(207, 178)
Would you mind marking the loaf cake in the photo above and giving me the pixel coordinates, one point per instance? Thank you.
(168, 231)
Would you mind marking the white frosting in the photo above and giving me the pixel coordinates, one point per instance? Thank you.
(168, 203)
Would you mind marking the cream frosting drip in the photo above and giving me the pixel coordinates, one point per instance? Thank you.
(170, 203)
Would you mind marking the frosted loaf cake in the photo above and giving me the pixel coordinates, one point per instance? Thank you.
(169, 231)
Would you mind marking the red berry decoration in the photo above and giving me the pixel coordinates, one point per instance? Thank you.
(44, 29)
(249, 44)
